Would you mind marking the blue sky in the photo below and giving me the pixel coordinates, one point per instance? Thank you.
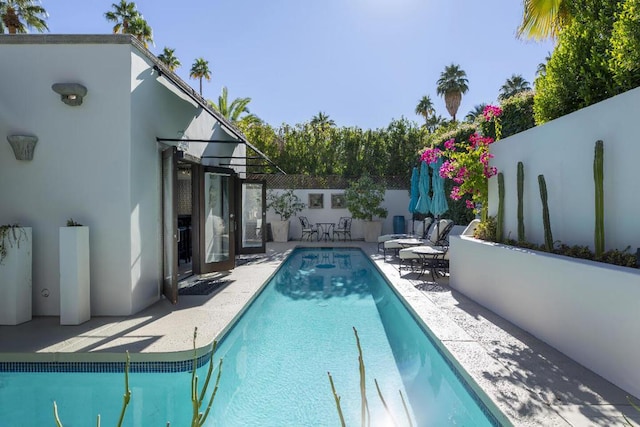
(362, 62)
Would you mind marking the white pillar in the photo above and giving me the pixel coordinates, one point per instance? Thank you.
(75, 297)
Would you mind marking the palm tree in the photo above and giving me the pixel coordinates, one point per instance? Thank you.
(235, 109)
(168, 58)
(477, 111)
(543, 19)
(139, 28)
(514, 85)
(322, 121)
(425, 108)
(452, 84)
(18, 15)
(541, 70)
(199, 70)
(122, 14)
(434, 122)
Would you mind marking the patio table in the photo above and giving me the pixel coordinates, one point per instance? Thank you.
(430, 257)
(325, 230)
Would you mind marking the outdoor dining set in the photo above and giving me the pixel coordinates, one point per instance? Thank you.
(326, 230)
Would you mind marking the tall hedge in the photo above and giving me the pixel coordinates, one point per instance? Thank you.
(578, 72)
(346, 151)
(625, 43)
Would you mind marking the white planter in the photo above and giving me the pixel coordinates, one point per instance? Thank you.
(15, 279)
(587, 310)
(372, 230)
(280, 231)
(75, 296)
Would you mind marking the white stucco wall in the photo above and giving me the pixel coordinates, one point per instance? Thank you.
(587, 310)
(81, 166)
(396, 202)
(160, 110)
(562, 150)
(98, 163)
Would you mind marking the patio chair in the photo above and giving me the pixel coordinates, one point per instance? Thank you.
(343, 229)
(308, 230)
(396, 244)
(441, 242)
(386, 237)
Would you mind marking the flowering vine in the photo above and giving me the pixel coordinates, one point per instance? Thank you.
(467, 164)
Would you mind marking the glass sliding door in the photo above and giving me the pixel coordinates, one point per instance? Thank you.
(252, 213)
(217, 220)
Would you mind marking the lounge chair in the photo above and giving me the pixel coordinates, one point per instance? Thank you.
(436, 234)
(308, 230)
(439, 239)
(408, 254)
(386, 237)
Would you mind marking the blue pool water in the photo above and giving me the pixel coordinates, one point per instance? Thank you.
(276, 359)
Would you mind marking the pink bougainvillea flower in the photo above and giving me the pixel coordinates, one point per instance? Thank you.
(450, 144)
(431, 155)
(490, 171)
(461, 175)
(470, 204)
(455, 193)
(447, 169)
(491, 111)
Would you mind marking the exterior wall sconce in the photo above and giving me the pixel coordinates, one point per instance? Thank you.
(23, 146)
(70, 93)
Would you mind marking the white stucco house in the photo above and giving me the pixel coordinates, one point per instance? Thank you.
(130, 150)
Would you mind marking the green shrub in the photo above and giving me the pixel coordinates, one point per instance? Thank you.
(486, 230)
(517, 113)
(618, 257)
(575, 251)
(625, 46)
(578, 73)
(458, 131)
(364, 198)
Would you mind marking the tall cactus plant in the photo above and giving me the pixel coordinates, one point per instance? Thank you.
(520, 202)
(598, 178)
(548, 238)
(500, 218)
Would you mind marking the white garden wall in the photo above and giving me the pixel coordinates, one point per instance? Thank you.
(562, 150)
(587, 310)
(395, 201)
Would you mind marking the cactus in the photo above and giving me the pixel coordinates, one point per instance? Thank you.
(598, 170)
(520, 203)
(500, 218)
(548, 238)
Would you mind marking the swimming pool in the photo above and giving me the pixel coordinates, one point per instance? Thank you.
(276, 359)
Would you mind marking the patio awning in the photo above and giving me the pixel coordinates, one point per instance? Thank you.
(227, 126)
(261, 156)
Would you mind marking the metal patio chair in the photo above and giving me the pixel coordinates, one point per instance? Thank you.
(308, 230)
(343, 229)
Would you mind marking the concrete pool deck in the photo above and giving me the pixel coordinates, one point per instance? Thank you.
(530, 382)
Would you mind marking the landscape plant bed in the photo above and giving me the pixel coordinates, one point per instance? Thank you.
(585, 309)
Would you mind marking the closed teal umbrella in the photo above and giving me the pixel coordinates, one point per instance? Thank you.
(439, 203)
(415, 191)
(424, 202)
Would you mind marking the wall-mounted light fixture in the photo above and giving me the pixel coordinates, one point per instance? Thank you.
(23, 146)
(70, 93)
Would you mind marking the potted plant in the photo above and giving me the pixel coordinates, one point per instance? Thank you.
(286, 205)
(364, 198)
(75, 302)
(15, 274)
